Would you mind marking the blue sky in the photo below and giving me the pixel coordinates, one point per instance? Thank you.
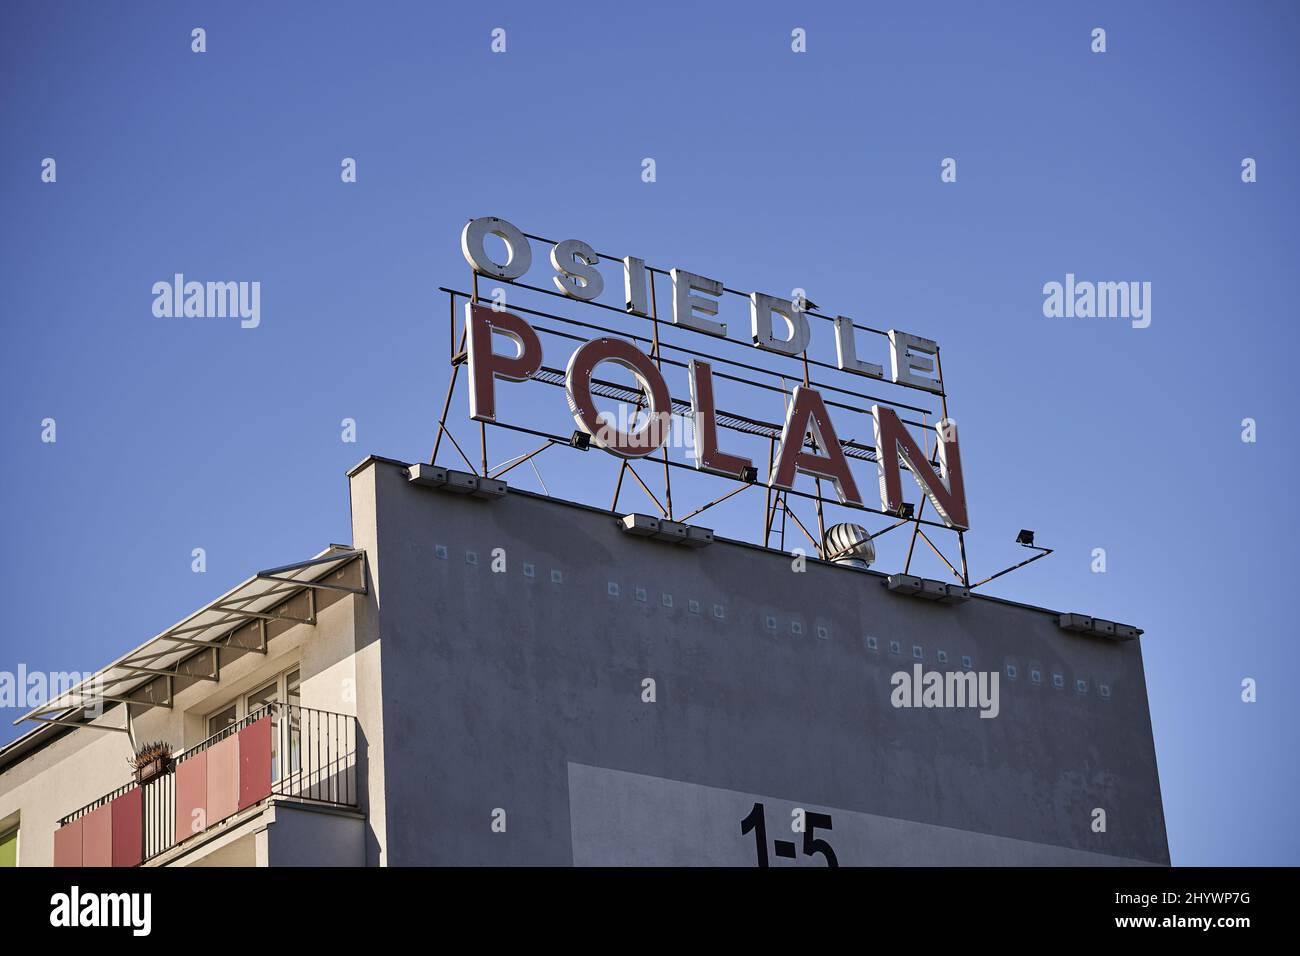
(774, 170)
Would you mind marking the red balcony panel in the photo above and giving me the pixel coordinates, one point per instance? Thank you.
(67, 844)
(255, 762)
(223, 779)
(97, 837)
(191, 796)
(127, 812)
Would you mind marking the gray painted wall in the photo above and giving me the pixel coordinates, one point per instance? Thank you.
(621, 818)
(312, 836)
(493, 684)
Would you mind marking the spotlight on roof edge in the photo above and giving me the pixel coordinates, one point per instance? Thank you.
(459, 482)
(661, 529)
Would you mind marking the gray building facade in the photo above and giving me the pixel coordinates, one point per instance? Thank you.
(518, 695)
(517, 680)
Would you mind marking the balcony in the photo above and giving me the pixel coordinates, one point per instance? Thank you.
(279, 751)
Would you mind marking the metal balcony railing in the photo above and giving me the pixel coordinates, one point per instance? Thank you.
(313, 757)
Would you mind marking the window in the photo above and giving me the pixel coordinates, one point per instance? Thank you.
(286, 734)
(9, 848)
(293, 695)
(258, 699)
(220, 721)
(263, 696)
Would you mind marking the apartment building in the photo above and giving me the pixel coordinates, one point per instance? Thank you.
(487, 676)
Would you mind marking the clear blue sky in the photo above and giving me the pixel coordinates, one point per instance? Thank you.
(818, 170)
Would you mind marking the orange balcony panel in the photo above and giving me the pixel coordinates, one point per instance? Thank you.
(223, 779)
(255, 762)
(67, 844)
(127, 814)
(191, 796)
(97, 837)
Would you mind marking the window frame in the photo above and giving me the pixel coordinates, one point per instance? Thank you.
(240, 703)
(15, 831)
(233, 707)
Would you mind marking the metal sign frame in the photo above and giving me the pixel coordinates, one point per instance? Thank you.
(569, 258)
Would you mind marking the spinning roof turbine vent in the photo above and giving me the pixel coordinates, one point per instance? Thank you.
(850, 545)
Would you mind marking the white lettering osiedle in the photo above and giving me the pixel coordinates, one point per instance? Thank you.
(74, 909)
(922, 688)
(695, 302)
(208, 300)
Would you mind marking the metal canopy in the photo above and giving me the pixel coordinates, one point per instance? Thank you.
(256, 599)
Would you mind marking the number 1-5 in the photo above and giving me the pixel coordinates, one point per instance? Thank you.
(756, 822)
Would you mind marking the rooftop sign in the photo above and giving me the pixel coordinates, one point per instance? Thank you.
(685, 352)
